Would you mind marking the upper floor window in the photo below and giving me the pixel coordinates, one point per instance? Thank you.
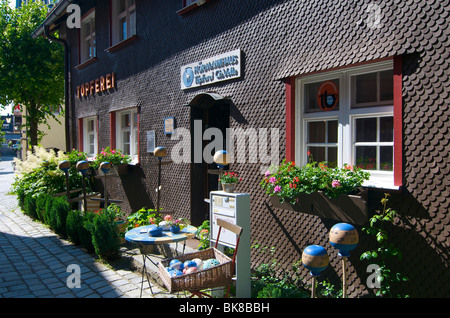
(87, 38)
(346, 117)
(188, 2)
(123, 20)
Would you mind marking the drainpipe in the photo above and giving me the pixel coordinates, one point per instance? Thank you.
(66, 83)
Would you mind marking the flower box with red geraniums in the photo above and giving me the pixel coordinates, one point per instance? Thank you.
(317, 189)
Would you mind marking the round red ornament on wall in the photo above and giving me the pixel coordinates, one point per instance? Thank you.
(327, 96)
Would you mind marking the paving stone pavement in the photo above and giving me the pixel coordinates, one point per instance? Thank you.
(36, 263)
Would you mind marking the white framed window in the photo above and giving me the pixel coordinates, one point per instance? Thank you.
(346, 117)
(127, 132)
(90, 142)
(123, 20)
(87, 38)
(188, 2)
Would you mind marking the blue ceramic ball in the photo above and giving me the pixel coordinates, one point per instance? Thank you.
(176, 264)
(169, 269)
(175, 272)
(199, 263)
(188, 264)
(210, 263)
(315, 258)
(155, 231)
(344, 237)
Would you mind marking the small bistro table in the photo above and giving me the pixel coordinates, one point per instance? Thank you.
(142, 239)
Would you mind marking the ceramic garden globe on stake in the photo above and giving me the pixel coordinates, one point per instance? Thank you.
(83, 166)
(221, 159)
(105, 167)
(315, 258)
(65, 166)
(159, 152)
(345, 238)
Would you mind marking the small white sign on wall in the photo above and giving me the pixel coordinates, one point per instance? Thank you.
(151, 140)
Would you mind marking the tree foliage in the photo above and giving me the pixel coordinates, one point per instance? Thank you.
(31, 70)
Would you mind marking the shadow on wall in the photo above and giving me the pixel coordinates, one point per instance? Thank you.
(128, 187)
(135, 189)
(424, 257)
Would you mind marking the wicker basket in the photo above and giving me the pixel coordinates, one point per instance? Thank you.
(216, 276)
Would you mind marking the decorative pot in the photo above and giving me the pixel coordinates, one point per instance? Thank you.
(346, 207)
(155, 231)
(174, 229)
(164, 226)
(228, 187)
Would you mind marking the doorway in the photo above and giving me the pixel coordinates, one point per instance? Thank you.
(207, 111)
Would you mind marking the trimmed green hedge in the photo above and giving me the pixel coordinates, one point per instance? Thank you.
(97, 232)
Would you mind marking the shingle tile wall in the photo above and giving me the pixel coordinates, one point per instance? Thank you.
(280, 39)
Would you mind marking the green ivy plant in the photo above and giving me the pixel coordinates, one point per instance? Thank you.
(385, 252)
(143, 217)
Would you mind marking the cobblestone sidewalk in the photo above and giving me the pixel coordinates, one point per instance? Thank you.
(34, 262)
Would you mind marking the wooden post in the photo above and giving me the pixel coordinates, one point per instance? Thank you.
(344, 278)
(159, 186)
(84, 193)
(313, 289)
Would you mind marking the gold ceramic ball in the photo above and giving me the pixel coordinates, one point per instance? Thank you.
(160, 152)
(64, 165)
(222, 158)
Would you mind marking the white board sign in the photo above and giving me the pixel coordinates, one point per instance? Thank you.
(223, 207)
(219, 68)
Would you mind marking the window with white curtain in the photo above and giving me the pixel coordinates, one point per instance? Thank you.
(123, 20)
(350, 122)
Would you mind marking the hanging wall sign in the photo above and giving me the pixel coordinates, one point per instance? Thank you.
(169, 125)
(328, 96)
(219, 68)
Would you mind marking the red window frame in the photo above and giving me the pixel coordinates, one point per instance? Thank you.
(397, 110)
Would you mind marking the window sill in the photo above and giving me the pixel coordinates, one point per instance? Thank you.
(191, 7)
(381, 181)
(121, 44)
(86, 63)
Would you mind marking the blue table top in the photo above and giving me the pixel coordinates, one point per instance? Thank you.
(140, 235)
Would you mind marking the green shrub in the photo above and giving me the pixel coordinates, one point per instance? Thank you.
(58, 215)
(46, 217)
(30, 206)
(41, 203)
(105, 236)
(84, 234)
(21, 198)
(78, 228)
(74, 225)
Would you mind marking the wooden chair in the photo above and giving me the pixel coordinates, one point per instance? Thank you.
(236, 230)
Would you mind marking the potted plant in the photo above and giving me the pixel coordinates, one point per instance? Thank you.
(229, 180)
(118, 160)
(174, 225)
(317, 189)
